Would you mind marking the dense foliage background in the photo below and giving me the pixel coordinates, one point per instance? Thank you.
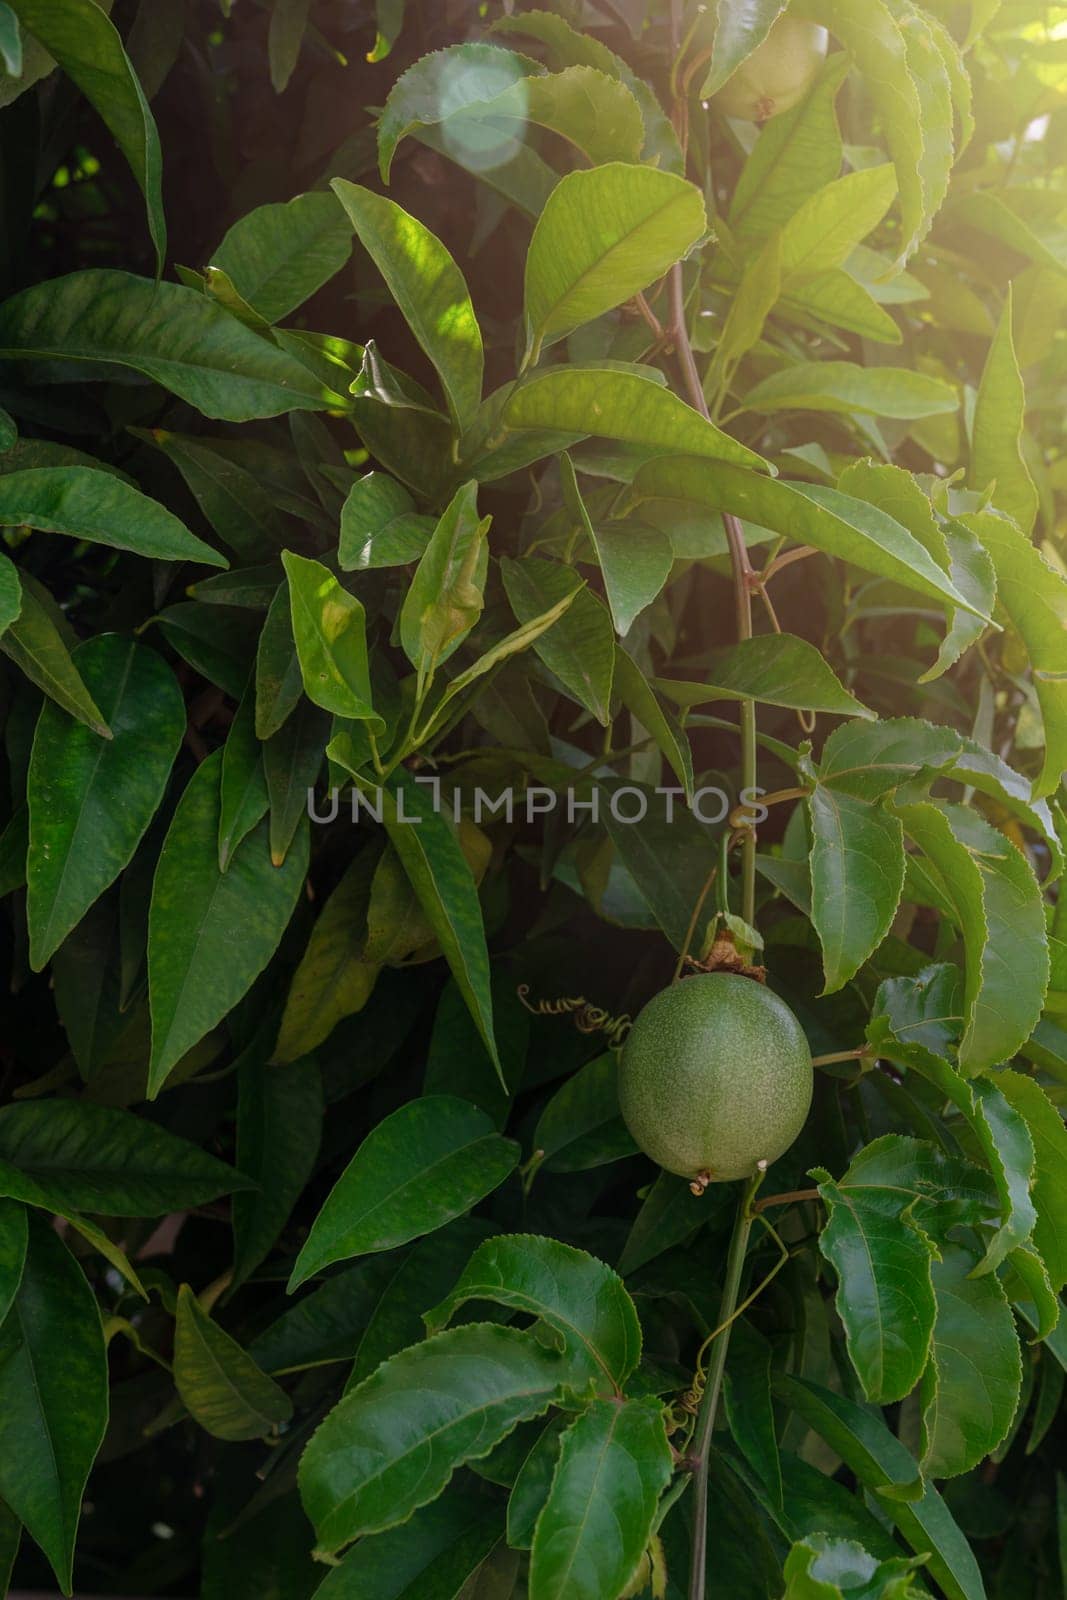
(370, 415)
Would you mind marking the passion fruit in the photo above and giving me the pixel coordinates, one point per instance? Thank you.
(715, 1077)
(777, 74)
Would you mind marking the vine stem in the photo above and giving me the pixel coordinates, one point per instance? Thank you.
(709, 1404)
(744, 579)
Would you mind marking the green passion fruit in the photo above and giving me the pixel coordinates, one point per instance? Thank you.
(715, 1077)
(777, 74)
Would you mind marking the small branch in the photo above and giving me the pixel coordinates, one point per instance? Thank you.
(793, 1197)
(650, 317)
(801, 553)
(709, 1405)
(842, 1055)
(743, 579)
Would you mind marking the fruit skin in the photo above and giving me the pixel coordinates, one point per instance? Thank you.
(715, 1076)
(777, 74)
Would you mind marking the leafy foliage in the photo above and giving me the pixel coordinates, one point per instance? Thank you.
(529, 528)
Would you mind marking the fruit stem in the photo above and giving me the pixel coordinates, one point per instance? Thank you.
(743, 575)
(709, 1405)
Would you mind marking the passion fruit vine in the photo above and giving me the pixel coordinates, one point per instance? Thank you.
(777, 74)
(715, 1077)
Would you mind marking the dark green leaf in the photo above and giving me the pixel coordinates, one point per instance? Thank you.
(279, 1125)
(777, 668)
(430, 1161)
(39, 649)
(173, 335)
(72, 1155)
(971, 1387)
(278, 255)
(210, 934)
(222, 1387)
(101, 508)
(79, 839)
(580, 648)
(432, 1555)
(471, 1385)
(574, 1293)
(53, 1397)
(614, 1463)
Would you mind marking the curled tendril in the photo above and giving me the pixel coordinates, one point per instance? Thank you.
(588, 1018)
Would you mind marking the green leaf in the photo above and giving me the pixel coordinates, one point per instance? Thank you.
(881, 1462)
(277, 256)
(999, 416)
(797, 153)
(749, 1407)
(1034, 595)
(430, 1161)
(33, 641)
(478, 90)
(738, 31)
(428, 288)
(220, 1385)
(328, 1324)
(330, 630)
(441, 878)
(292, 758)
(635, 561)
(173, 335)
(79, 839)
(971, 1387)
(605, 403)
(53, 1397)
(635, 692)
(86, 44)
(471, 1385)
(380, 526)
(869, 31)
(580, 648)
(857, 875)
(884, 1297)
(423, 1275)
(823, 232)
(807, 513)
(210, 934)
(335, 977)
(778, 669)
(240, 506)
(279, 1125)
(582, 1126)
(279, 681)
(1049, 1188)
(574, 1293)
(72, 1155)
(998, 909)
(288, 23)
(446, 595)
(1000, 1133)
(11, 53)
(845, 387)
(242, 785)
(10, 593)
(614, 1463)
(604, 235)
(101, 508)
(433, 1554)
(14, 1236)
(823, 1568)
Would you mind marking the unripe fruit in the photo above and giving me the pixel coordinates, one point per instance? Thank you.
(777, 74)
(715, 1077)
